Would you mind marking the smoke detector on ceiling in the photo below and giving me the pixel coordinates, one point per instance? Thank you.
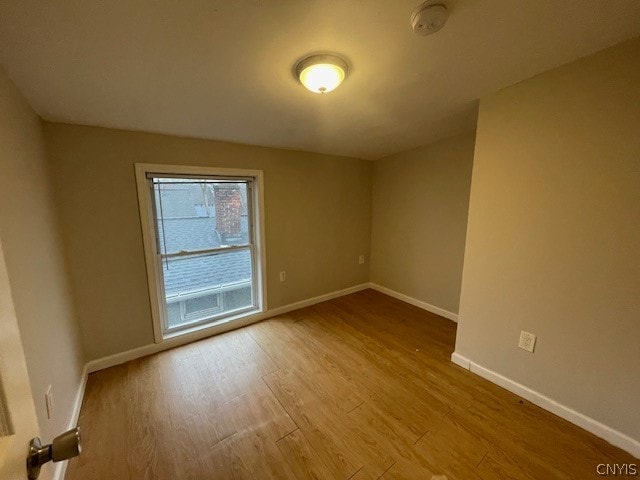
(429, 17)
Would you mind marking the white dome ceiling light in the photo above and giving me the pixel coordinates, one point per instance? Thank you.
(429, 17)
(321, 73)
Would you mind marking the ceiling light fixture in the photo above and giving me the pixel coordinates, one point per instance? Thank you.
(321, 73)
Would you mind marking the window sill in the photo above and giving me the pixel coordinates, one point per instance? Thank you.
(218, 326)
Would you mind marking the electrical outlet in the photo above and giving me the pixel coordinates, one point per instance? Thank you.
(283, 276)
(527, 341)
(361, 259)
(48, 399)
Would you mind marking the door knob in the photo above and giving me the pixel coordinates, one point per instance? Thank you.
(63, 447)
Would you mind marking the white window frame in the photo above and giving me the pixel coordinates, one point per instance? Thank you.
(154, 275)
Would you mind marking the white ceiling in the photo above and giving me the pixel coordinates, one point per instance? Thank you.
(222, 69)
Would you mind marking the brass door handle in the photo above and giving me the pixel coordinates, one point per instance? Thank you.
(63, 447)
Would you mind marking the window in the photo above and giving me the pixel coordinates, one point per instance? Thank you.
(203, 245)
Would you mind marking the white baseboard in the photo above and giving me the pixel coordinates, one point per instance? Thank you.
(601, 430)
(312, 301)
(461, 361)
(415, 302)
(61, 468)
(118, 358)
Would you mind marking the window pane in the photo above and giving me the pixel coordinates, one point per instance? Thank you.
(237, 298)
(200, 214)
(199, 287)
(197, 306)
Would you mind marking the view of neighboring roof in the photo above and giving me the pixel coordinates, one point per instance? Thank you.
(188, 274)
(186, 233)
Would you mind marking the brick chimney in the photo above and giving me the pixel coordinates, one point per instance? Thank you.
(228, 204)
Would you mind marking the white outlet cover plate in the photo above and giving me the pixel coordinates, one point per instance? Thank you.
(527, 341)
(48, 397)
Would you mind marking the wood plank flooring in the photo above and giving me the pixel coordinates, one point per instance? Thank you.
(360, 387)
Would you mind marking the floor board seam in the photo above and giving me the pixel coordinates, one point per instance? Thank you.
(356, 407)
(421, 437)
(263, 350)
(355, 473)
(281, 405)
(482, 459)
(287, 434)
(390, 467)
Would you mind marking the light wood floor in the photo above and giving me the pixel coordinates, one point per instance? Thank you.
(360, 387)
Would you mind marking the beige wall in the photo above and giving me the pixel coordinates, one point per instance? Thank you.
(34, 258)
(318, 220)
(420, 202)
(553, 240)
